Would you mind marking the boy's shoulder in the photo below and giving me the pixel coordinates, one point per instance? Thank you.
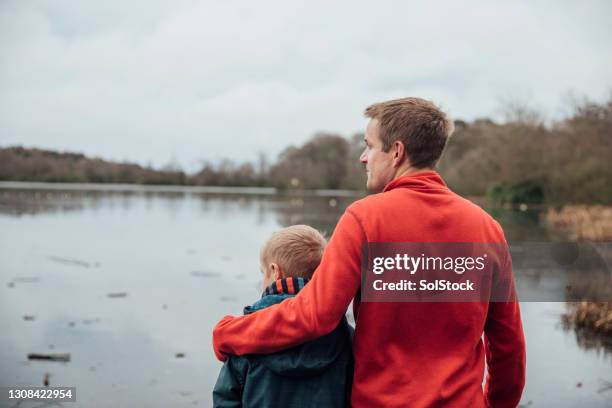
(308, 358)
(305, 359)
(290, 375)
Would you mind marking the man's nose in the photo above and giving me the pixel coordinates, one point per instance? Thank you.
(364, 157)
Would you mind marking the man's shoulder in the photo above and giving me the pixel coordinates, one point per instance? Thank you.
(480, 212)
(365, 204)
(381, 206)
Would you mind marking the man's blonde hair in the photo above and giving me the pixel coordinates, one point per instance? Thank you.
(419, 124)
(297, 250)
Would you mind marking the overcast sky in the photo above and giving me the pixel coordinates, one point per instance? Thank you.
(155, 81)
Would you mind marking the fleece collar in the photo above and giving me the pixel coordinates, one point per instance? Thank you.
(277, 292)
(426, 180)
(289, 286)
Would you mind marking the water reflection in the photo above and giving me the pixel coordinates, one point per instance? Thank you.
(587, 338)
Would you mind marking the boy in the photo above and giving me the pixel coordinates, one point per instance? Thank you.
(317, 373)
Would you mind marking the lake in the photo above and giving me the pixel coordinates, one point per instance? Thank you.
(131, 282)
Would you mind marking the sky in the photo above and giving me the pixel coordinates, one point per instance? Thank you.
(182, 81)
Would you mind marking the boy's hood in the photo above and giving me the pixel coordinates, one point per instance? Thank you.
(307, 359)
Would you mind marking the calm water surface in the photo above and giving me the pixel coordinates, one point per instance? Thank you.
(132, 283)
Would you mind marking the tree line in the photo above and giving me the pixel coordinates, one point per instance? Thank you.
(525, 161)
(522, 160)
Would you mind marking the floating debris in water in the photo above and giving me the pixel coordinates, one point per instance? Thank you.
(70, 261)
(71, 324)
(579, 385)
(191, 251)
(62, 357)
(26, 279)
(605, 386)
(10, 284)
(29, 318)
(179, 355)
(164, 306)
(241, 276)
(117, 295)
(205, 274)
(228, 299)
(90, 321)
(226, 258)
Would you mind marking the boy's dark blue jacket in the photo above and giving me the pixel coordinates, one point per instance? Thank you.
(314, 374)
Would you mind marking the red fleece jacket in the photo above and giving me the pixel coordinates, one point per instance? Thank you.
(406, 354)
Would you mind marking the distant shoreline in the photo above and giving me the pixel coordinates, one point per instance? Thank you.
(148, 188)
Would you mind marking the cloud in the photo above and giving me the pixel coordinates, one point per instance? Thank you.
(155, 81)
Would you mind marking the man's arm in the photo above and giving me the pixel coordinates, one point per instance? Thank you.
(505, 349)
(315, 311)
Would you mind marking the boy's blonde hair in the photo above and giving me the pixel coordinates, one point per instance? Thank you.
(296, 249)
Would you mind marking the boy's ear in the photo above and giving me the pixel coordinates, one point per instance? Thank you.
(276, 271)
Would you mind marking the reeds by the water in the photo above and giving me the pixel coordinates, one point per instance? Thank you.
(588, 315)
(583, 222)
(590, 223)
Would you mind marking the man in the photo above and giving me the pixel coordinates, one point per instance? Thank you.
(406, 354)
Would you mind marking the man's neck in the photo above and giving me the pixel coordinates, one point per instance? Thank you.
(408, 170)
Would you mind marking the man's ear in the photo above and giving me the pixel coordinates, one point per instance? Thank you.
(399, 153)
